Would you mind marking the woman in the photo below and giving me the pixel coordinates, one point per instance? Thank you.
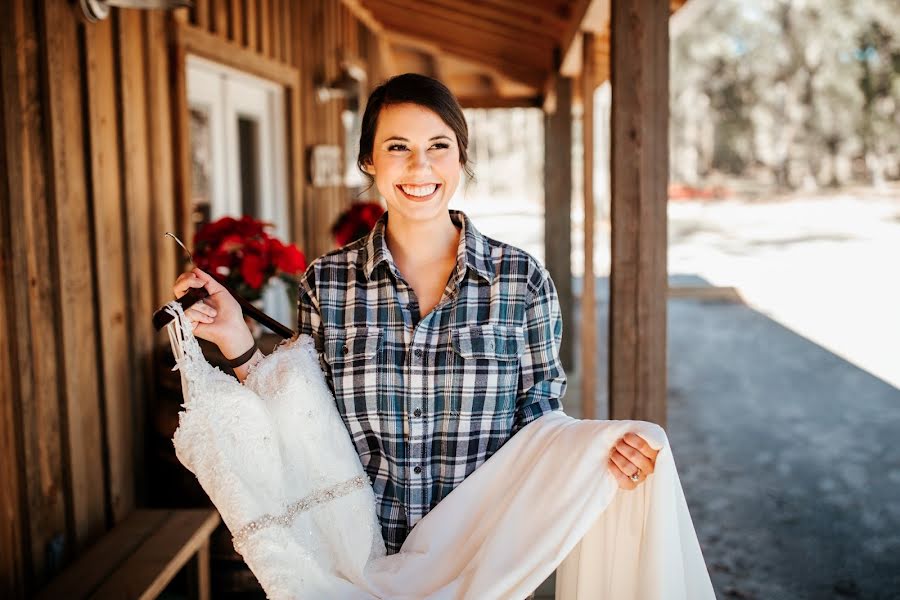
(438, 343)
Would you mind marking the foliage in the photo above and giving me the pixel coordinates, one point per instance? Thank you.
(355, 222)
(797, 93)
(242, 255)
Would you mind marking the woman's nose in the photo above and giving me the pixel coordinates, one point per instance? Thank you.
(418, 159)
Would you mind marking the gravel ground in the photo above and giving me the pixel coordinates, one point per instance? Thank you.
(784, 412)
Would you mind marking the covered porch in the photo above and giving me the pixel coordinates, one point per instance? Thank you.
(99, 121)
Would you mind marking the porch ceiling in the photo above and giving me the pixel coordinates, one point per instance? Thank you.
(492, 53)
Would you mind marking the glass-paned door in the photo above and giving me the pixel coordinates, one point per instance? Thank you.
(237, 125)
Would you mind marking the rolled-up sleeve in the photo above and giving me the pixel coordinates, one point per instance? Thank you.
(542, 380)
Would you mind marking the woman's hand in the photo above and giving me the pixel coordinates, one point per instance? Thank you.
(217, 318)
(629, 454)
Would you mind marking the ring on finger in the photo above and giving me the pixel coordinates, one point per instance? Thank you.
(636, 476)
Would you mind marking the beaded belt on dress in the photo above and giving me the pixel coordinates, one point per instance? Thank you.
(285, 518)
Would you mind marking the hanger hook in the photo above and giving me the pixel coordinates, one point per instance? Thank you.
(174, 237)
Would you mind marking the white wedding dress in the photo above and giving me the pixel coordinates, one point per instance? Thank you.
(276, 460)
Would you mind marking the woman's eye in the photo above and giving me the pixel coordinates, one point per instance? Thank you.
(393, 147)
(441, 145)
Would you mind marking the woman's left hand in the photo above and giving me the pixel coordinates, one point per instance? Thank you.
(631, 454)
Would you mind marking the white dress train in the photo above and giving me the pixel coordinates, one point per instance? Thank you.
(276, 460)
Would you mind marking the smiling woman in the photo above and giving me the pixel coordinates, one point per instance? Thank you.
(438, 343)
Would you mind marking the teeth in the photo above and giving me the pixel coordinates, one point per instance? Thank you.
(419, 190)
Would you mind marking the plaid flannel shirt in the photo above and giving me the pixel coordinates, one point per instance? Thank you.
(428, 400)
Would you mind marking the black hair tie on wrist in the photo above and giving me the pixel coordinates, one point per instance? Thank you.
(236, 362)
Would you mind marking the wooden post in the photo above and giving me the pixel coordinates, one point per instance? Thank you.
(640, 109)
(558, 210)
(588, 295)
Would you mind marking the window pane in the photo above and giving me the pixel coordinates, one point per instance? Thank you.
(248, 149)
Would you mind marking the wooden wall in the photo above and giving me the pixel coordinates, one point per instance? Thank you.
(89, 144)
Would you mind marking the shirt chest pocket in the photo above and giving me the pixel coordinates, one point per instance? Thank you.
(352, 355)
(486, 368)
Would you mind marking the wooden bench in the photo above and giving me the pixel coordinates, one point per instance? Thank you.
(139, 557)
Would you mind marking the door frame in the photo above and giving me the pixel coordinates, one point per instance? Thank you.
(188, 40)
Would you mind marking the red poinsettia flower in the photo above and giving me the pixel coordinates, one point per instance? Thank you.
(241, 254)
(355, 222)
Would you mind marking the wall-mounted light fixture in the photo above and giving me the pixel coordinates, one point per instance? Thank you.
(97, 10)
(346, 86)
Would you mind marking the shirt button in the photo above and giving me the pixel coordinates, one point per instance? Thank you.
(417, 470)
(418, 352)
(417, 412)
(345, 349)
(490, 345)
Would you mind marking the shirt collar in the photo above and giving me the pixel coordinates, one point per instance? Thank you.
(473, 251)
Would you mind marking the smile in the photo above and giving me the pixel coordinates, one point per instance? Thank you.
(419, 192)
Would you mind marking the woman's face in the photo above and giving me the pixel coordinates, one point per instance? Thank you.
(415, 161)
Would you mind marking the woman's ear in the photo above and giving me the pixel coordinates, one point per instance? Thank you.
(369, 168)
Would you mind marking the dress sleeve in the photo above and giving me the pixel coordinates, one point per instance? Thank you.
(542, 380)
(309, 318)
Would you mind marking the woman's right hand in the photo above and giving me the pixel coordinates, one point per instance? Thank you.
(217, 318)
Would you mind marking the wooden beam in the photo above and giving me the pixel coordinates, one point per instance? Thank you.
(205, 45)
(471, 19)
(558, 209)
(516, 71)
(456, 33)
(589, 285)
(518, 18)
(638, 278)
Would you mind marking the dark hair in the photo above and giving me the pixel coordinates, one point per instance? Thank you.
(412, 88)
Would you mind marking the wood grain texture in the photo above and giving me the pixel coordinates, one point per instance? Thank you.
(32, 331)
(13, 283)
(74, 279)
(558, 211)
(138, 222)
(639, 138)
(145, 574)
(588, 289)
(112, 304)
(88, 572)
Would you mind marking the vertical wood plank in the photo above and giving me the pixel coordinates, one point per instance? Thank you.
(589, 286)
(75, 275)
(251, 14)
(182, 144)
(275, 31)
(287, 8)
(159, 114)
(265, 32)
(236, 22)
(33, 336)
(201, 12)
(13, 293)
(142, 288)
(558, 208)
(297, 173)
(110, 270)
(220, 17)
(638, 280)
